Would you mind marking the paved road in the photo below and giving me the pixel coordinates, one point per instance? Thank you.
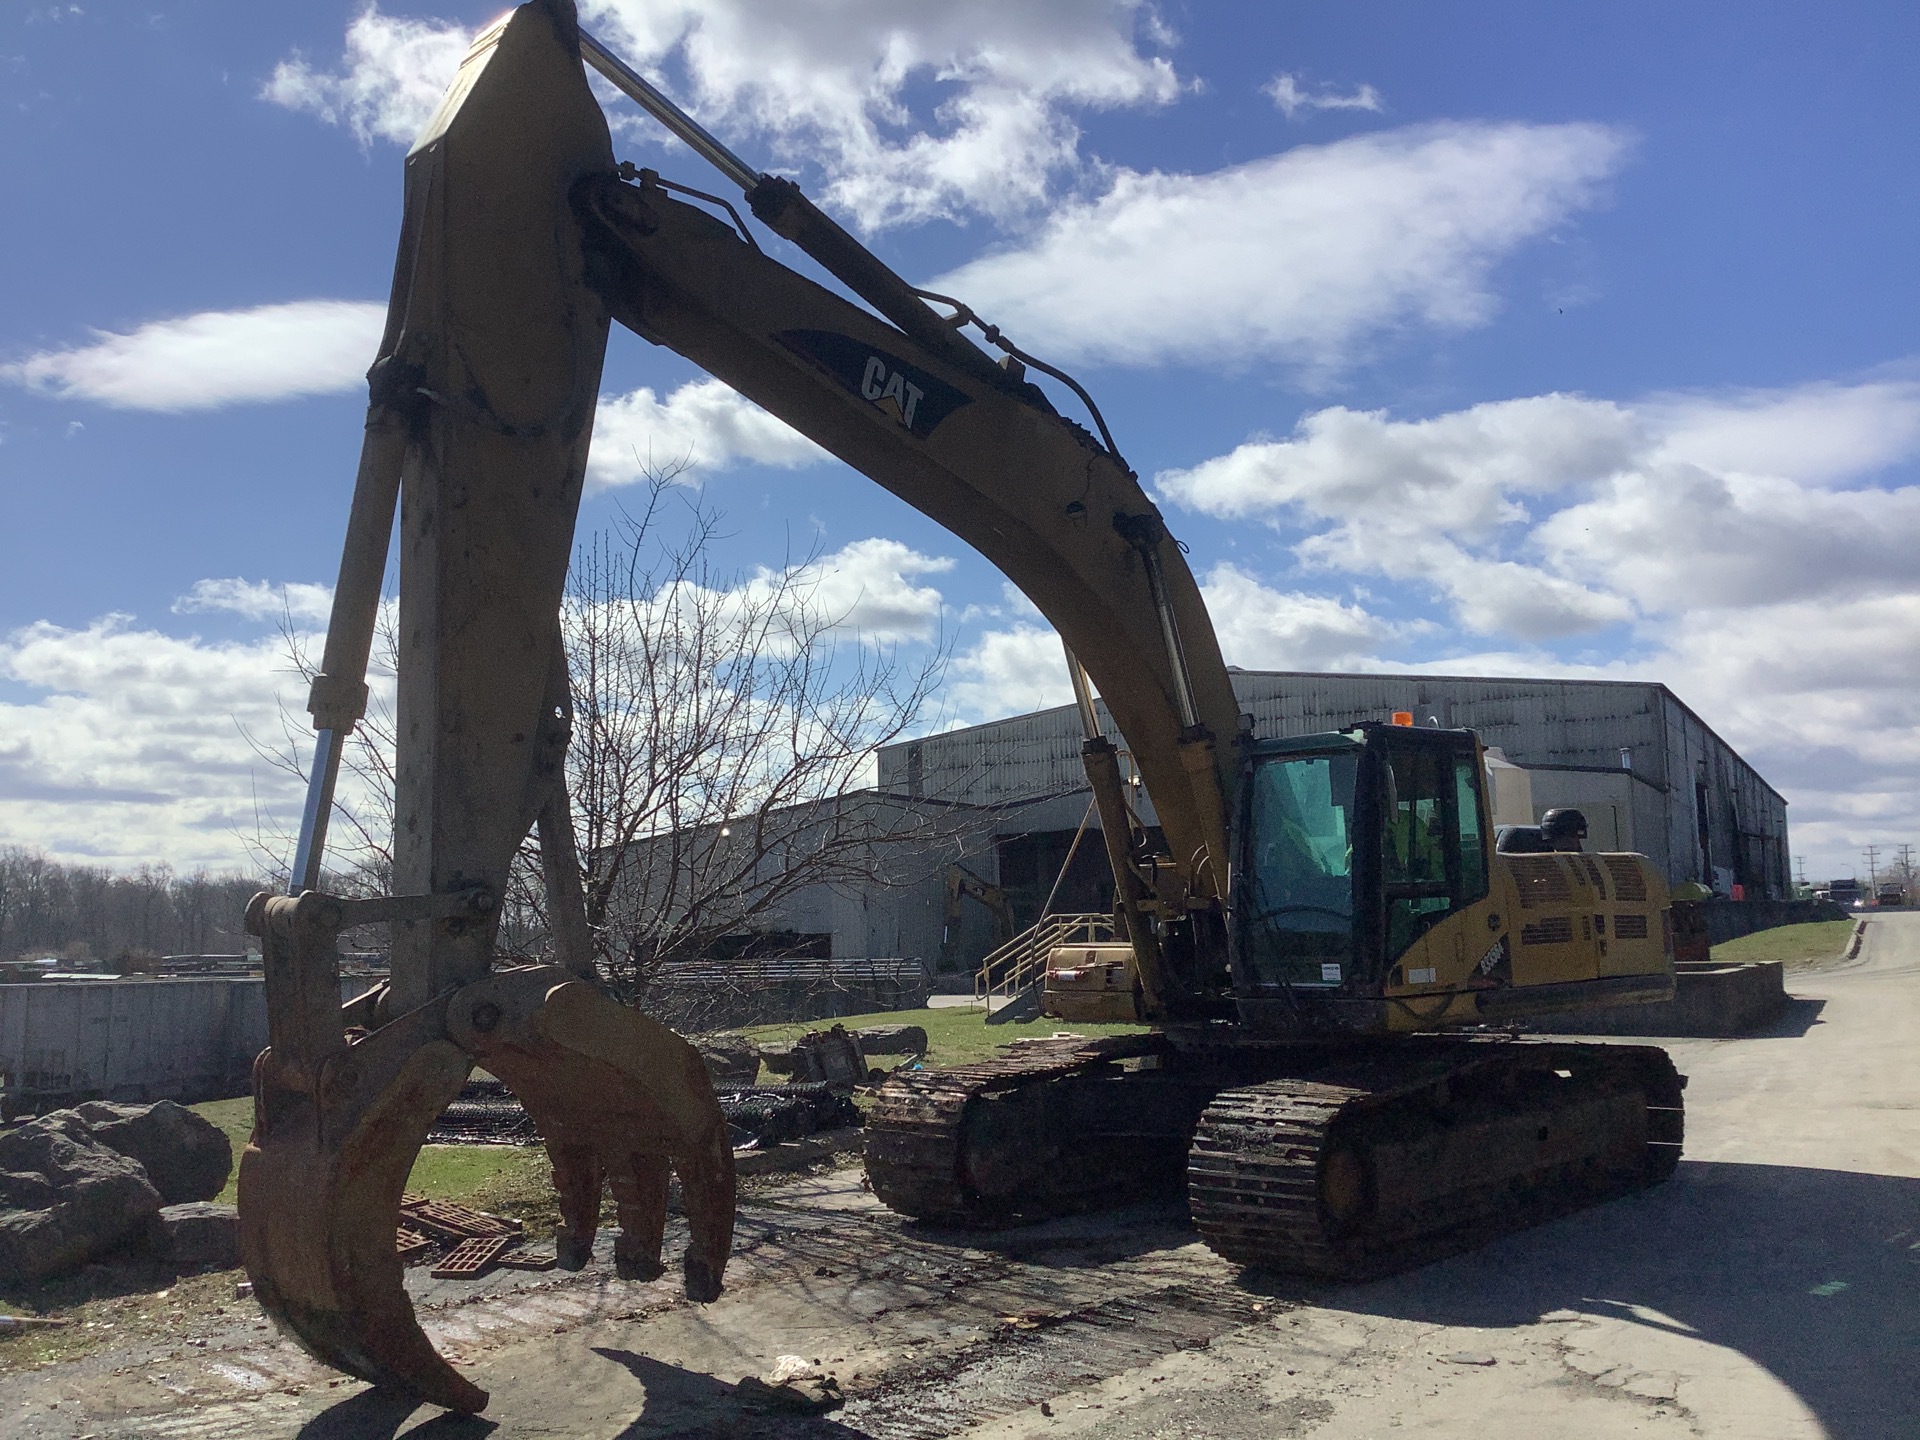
(1771, 1289)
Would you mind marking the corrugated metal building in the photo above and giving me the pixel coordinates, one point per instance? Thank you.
(1649, 773)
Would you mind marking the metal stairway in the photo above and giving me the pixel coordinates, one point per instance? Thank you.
(1016, 974)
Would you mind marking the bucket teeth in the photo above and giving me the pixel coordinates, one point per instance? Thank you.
(622, 1102)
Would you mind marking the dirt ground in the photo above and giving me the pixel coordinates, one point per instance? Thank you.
(1771, 1289)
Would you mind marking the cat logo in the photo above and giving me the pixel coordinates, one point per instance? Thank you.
(906, 394)
(891, 387)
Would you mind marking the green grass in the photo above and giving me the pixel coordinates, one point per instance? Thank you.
(236, 1118)
(955, 1035)
(468, 1174)
(1794, 944)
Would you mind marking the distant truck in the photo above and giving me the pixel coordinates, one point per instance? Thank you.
(1846, 892)
(1888, 895)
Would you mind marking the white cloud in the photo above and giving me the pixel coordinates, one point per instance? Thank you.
(832, 83)
(867, 589)
(395, 72)
(259, 600)
(1815, 433)
(1303, 257)
(1023, 667)
(1432, 500)
(131, 750)
(1008, 672)
(702, 425)
(131, 745)
(216, 357)
(1555, 514)
(1261, 628)
(1296, 97)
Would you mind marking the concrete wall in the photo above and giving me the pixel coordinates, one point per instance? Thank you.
(187, 1039)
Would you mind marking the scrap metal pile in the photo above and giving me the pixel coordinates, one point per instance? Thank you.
(463, 1243)
(486, 1113)
(757, 1116)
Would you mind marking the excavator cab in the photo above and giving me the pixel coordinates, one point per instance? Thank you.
(1354, 846)
(1369, 895)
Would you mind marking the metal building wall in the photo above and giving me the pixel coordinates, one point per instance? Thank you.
(1746, 817)
(1571, 726)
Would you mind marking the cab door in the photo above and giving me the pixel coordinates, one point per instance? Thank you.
(1433, 862)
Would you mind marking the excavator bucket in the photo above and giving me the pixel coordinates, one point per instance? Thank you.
(482, 403)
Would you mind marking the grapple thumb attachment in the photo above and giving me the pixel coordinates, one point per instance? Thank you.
(616, 1095)
(340, 1116)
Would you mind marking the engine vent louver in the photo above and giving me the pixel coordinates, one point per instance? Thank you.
(1541, 881)
(1551, 930)
(1629, 880)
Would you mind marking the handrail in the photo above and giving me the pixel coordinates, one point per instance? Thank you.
(1017, 964)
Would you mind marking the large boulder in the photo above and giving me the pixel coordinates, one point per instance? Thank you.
(199, 1234)
(187, 1156)
(65, 1198)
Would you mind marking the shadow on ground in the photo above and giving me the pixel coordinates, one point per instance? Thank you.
(1800, 1016)
(684, 1403)
(1813, 1274)
(383, 1414)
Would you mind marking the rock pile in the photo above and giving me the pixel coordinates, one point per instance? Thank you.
(79, 1183)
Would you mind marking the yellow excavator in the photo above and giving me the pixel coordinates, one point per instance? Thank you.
(1325, 917)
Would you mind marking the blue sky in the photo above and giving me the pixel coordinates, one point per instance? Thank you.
(1496, 338)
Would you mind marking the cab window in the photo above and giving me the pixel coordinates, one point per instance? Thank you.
(1297, 896)
(1433, 861)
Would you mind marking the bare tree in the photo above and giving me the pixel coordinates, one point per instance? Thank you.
(724, 725)
(89, 914)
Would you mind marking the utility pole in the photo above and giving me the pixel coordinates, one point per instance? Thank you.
(1873, 867)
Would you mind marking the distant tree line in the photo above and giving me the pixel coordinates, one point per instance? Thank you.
(91, 916)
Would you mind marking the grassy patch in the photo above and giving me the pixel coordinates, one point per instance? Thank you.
(1794, 944)
(466, 1173)
(236, 1118)
(956, 1035)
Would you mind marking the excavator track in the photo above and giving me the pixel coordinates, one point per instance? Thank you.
(1389, 1164)
(966, 1146)
(1335, 1161)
